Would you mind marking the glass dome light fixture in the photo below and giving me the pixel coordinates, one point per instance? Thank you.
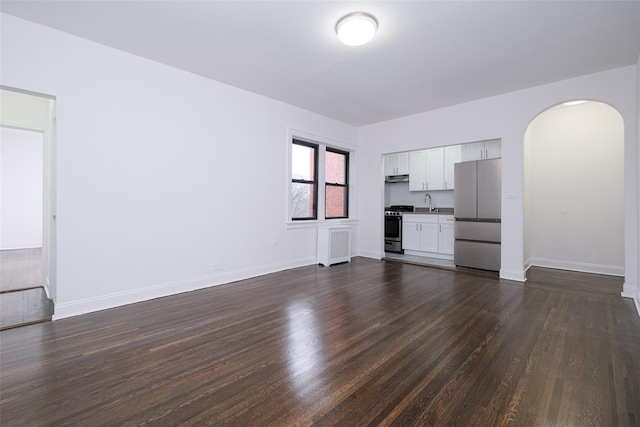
(577, 102)
(356, 28)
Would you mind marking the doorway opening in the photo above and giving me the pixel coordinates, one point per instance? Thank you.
(27, 208)
(574, 189)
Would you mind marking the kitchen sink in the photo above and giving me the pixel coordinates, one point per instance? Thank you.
(425, 210)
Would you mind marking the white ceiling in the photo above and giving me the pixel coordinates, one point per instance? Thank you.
(426, 54)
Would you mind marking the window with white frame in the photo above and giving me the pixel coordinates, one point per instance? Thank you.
(336, 182)
(304, 180)
(319, 182)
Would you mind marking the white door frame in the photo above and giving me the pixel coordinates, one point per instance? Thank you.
(36, 112)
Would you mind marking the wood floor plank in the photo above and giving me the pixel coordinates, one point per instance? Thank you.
(20, 269)
(24, 307)
(363, 343)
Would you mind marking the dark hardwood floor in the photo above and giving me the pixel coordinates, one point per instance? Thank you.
(364, 343)
(20, 269)
(23, 299)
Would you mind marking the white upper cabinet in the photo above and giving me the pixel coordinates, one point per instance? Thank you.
(432, 169)
(452, 155)
(472, 151)
(417, 170)
(396, 164)
(491, 149)
(435, 169)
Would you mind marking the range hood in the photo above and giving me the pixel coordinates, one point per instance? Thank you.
(396, 178)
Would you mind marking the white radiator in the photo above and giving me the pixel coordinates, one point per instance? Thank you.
(334, 245)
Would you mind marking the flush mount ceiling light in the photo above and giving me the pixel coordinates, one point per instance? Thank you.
(356, 28)
(574, 102)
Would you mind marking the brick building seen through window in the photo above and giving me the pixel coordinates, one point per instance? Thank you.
(304, 186)
(336, 184)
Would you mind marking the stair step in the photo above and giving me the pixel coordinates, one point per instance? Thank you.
(23, 307)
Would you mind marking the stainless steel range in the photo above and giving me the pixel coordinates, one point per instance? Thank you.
(393, 227)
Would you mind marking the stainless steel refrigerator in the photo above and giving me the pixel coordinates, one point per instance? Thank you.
(477, 207)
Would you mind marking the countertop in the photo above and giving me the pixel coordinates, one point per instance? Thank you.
(436, 211)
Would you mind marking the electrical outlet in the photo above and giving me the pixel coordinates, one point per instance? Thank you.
(216, 266)
(275, 239)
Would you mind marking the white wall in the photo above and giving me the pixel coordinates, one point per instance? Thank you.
(21, 189)
(507, 117)
(576, 212)
(161, 173)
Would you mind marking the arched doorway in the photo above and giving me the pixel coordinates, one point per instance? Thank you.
(574, 189)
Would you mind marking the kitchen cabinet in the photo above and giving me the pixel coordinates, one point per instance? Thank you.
(446, 236)
(432, 169)
(428, 233)
(426, 170)
(452, 155)
(396, 164)
(435, 169)
(491, 149)
(417, 170)
(420, 233)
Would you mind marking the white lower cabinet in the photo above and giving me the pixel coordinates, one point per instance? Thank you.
(420, 233)
(428, 233)
(447, 239)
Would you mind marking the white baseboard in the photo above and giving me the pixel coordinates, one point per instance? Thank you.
(515, 275)
(609, 270)
(8, 246)
(78, 307)
(632, 292)
(628, 291)
(371, 254)
(435, 255)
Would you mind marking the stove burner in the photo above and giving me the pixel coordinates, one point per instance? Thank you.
(396, 210)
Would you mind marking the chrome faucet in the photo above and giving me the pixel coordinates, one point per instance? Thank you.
(430, 202)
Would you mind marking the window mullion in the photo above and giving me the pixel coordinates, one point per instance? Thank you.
(321, 182)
